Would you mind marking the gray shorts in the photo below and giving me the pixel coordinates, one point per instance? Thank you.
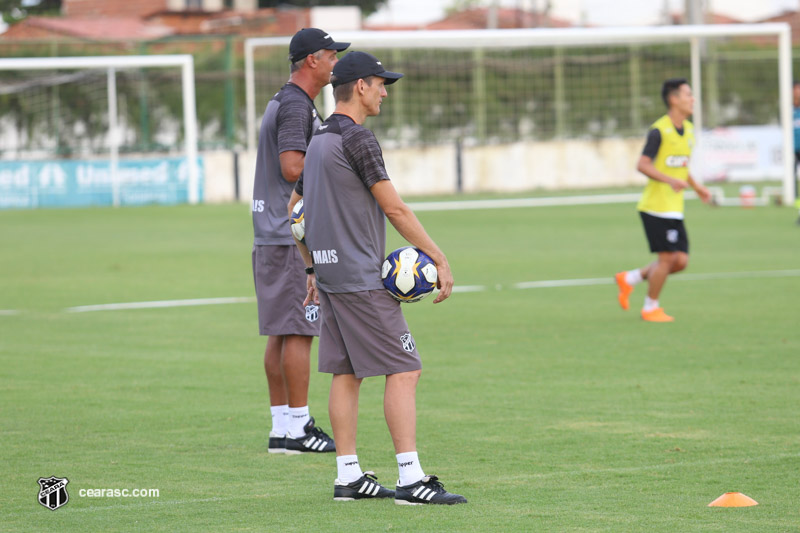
(280, 279)
(365, 333)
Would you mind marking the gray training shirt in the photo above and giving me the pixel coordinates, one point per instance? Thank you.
(345, 226)
(288, 124)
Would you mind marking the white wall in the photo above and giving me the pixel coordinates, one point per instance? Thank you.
(522, 166)
(214, 5)
(572, 164)
(219, 182)
(429, 170)
(245, 5)
(345, 18)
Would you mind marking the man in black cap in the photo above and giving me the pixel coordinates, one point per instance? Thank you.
(348, 196)
(286, 128)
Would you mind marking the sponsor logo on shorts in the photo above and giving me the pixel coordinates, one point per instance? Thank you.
(312, 313)
(408, 342)
(672, 235)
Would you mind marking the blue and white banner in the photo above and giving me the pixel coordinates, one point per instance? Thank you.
(73, 183)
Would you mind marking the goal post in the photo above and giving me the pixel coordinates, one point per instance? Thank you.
(97, 135)
(548, 116)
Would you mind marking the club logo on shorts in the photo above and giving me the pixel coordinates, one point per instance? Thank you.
(408, 342)
(53, 492)
(672, 235)
(312, 313)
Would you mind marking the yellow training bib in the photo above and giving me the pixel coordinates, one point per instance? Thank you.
(673, 160)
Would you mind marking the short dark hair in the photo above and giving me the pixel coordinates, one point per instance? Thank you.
(297, 65)
(670, 87)
(344, 92)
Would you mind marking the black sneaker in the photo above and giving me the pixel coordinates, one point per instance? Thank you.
(366, 486)
(315, 440)
(277, 443)
(426, 490)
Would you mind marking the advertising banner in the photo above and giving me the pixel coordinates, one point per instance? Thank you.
(739, 153)
(73, 183)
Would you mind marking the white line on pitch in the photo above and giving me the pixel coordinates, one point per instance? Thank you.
(502, 203)
(157, 304)
(469, 288)
(130, 505)
(541, 284)
(680, 277)
(562, 283)
(665, 466)
(741, 275)
(8, 312)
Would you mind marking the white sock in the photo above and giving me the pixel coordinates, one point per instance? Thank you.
(280, 419)
(409, 467)
(650, 304)
(632, 277)
(298, 417)
(348, 469)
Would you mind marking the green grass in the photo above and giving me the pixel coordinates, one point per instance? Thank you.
(550, 409)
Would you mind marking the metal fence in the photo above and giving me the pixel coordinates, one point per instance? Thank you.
(473, 95)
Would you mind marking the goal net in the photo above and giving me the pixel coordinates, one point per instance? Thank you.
(571, 107)
(111, 130)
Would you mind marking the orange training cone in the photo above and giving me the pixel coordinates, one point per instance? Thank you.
(733, 499)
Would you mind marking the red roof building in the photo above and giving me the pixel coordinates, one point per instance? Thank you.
(478, 18)
(144, 20)
(111, 8)
(86, 28)
(793, 19)
(710, 18)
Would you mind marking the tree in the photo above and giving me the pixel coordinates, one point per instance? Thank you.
(16, 10)
(367, 6)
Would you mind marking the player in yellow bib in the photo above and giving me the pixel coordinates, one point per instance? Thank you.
(665, 161)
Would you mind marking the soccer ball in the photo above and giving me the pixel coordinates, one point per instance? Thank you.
(298, 222)
(409, 274)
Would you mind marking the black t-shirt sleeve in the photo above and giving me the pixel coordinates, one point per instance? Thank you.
(298, 186)
(364, 154)
(294, 125)
(653, 143)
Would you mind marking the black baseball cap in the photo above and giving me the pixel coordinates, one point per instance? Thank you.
(310, 40)
(357, 65)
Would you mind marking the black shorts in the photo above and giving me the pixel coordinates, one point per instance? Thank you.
(665, 234)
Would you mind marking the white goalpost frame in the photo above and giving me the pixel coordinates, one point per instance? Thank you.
(543, 37)
(111, 64)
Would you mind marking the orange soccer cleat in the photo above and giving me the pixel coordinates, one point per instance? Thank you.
(624, 290)
(656, 315)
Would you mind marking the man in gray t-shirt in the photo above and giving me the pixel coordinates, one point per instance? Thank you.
(347, 196)
(278, 270)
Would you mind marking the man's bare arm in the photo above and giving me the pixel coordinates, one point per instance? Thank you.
(646, 167)
(406, 223)
(292, 163)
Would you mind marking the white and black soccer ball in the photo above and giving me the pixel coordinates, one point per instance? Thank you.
(298, 222)
(409, 274)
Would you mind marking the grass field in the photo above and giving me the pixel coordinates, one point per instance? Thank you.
(549, 409)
